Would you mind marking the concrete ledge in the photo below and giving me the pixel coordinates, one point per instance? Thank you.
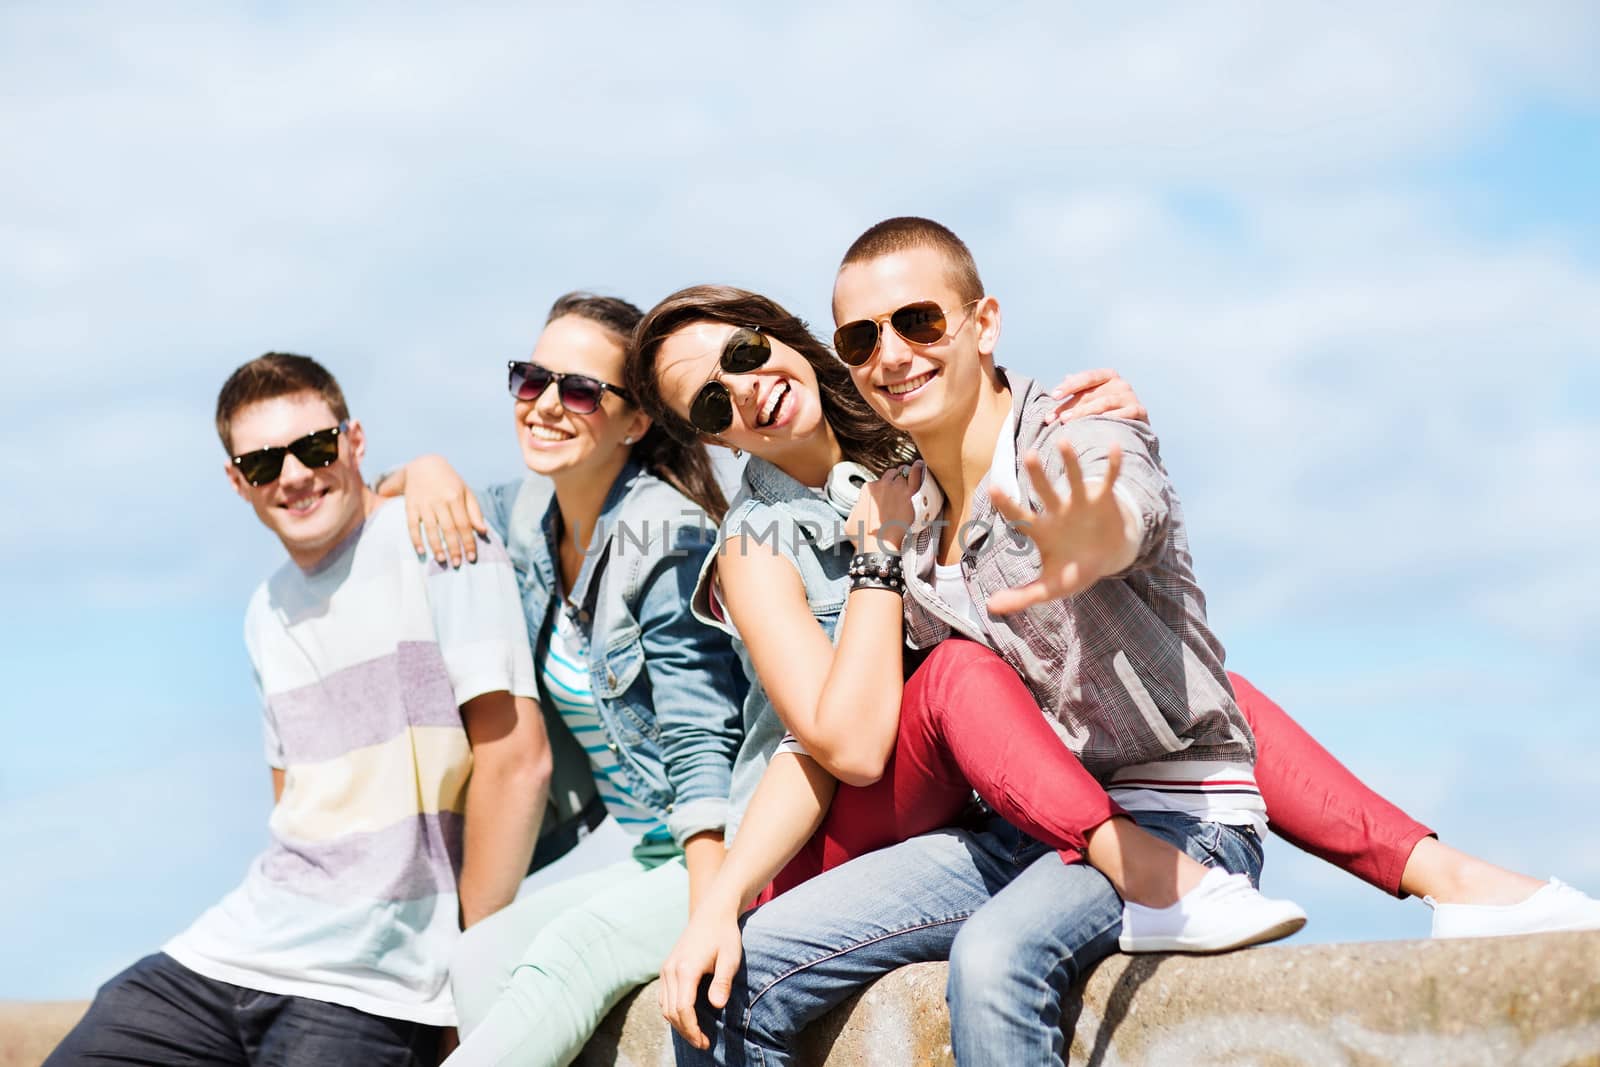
(1525, 1001)
(29, 1031)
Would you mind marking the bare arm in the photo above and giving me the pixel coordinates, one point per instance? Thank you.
(505, 799)
(858, 712)
(277, 784)
(794, 658)
(788, 806)
(703, 855)
(786, 810)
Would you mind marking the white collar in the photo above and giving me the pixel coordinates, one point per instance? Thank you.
(928, 501)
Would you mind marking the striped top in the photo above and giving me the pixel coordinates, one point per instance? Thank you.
(566, 681)
(363, 663)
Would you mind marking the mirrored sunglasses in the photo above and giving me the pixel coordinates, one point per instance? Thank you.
(711, 411)
(921, 323)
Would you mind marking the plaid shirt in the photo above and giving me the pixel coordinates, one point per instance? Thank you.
(1127, 671)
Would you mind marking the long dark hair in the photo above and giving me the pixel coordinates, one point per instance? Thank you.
(682, 463)
(863, 436)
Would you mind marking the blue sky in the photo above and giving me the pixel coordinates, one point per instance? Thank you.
(1350, 258)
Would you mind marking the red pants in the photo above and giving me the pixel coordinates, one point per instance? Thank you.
(967, 722)
(1316, 804)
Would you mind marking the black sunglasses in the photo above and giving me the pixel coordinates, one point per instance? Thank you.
(922, 323)
(314, 450)
(578, 393)
(712, 409)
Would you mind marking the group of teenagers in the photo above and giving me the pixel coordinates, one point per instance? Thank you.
(935, 684)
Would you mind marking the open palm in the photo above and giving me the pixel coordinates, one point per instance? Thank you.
(1082, 536)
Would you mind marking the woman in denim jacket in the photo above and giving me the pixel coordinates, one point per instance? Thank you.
(607, 536)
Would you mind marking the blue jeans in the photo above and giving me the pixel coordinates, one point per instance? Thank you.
(158, 1011)
(1017, 924)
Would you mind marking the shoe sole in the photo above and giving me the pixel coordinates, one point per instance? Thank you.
(1555, 928)
(1275, 932)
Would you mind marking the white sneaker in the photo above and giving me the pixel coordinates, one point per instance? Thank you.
(1223, 912)
(1554, 906)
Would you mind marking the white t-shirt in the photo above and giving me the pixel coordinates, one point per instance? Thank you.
(363, 663)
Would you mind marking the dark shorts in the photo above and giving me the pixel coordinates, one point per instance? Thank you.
(160, 1012)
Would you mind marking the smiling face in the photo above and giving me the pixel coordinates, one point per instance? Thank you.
(310, 510)
(559, 443)
(923, 389)
(776, 407)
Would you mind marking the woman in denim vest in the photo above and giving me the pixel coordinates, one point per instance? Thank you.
(607, 536)
(733, 368)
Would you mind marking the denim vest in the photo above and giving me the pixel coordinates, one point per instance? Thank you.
(775, 513)
(667, 690)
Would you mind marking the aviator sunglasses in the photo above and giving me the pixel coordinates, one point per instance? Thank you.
(314, 450)
(922, 323)
(578, 393)
(712, 409)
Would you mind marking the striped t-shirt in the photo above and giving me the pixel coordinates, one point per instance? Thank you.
(363, 663)
(566, 681)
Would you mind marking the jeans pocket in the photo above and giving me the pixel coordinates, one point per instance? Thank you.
(1236, 849)
(1026, 850)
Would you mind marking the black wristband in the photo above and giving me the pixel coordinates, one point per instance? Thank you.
(877, 570)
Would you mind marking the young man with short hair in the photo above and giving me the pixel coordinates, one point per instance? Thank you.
(409, 768)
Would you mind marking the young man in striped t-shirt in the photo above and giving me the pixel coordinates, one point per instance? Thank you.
(408, 759)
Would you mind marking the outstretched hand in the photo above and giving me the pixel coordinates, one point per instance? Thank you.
(709, 945)
(1082, 537)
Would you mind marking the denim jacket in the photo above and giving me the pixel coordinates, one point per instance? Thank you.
(775, 513)
(666, 689)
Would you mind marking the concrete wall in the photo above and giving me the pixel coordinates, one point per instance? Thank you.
(29, 1031)
(1503, 1002)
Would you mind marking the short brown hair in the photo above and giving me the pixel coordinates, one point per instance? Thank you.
(269, 377)
(909, 231)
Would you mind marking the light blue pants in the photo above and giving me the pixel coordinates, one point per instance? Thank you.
(534, 980)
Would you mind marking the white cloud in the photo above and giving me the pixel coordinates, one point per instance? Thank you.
(1357, 420)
